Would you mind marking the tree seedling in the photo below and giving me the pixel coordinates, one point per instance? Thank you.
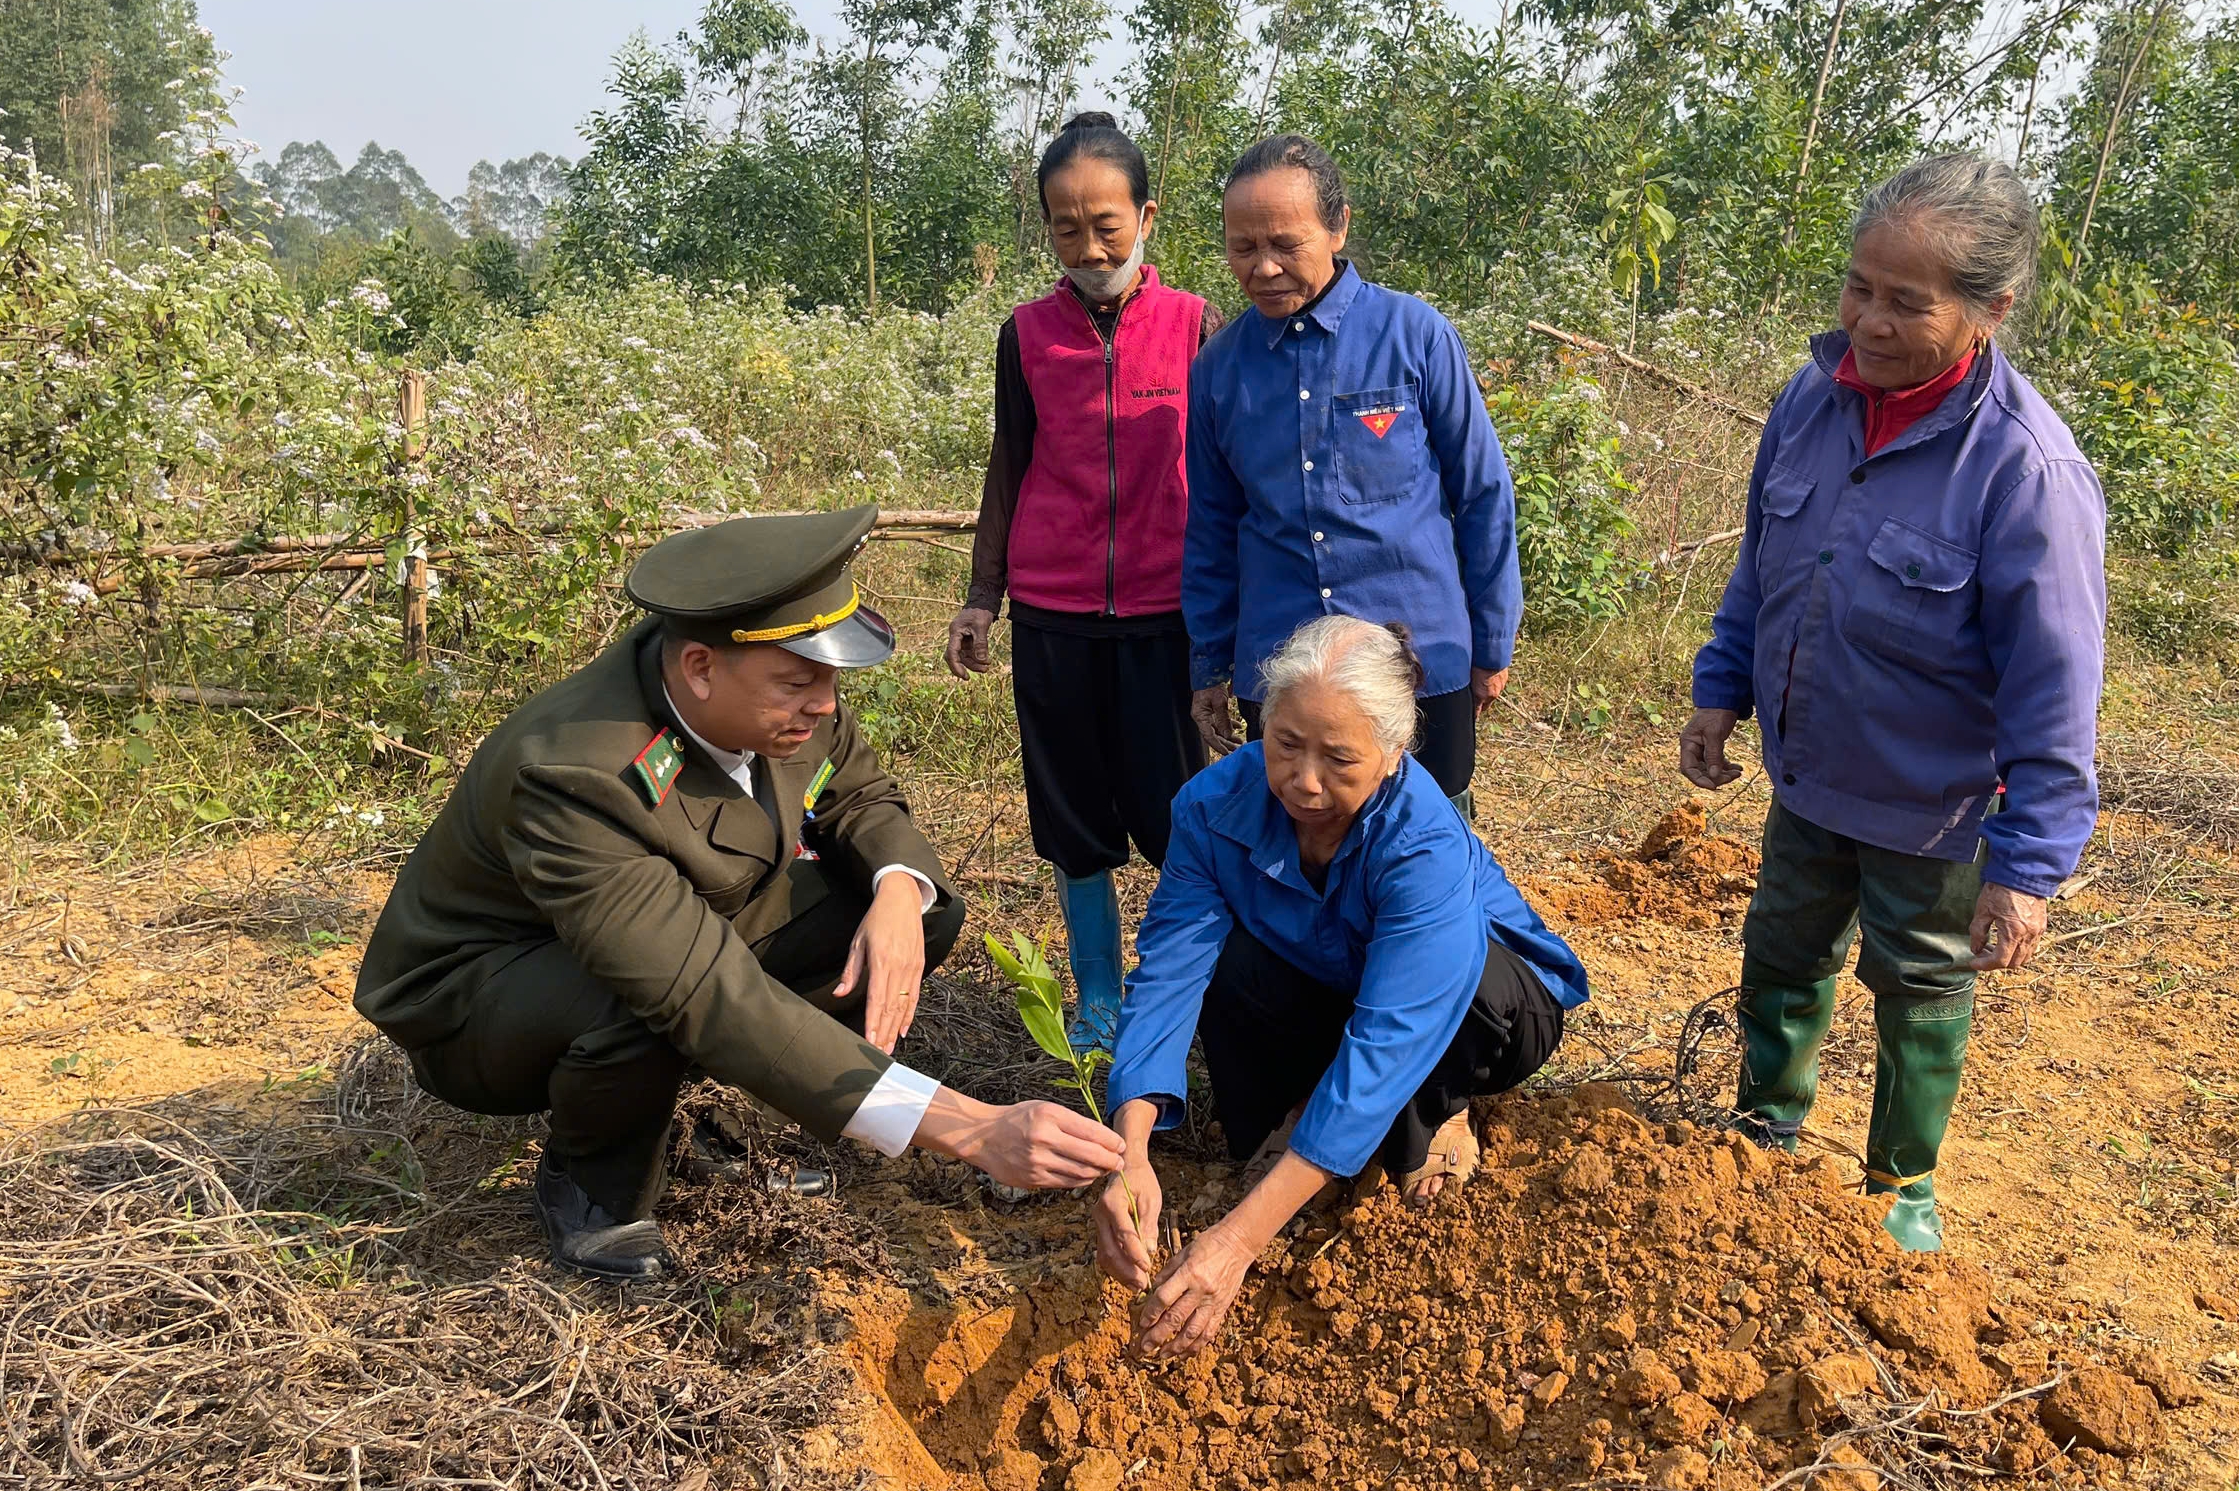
(1041, 1009)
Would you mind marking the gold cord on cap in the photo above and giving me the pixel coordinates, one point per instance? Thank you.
(803, 628)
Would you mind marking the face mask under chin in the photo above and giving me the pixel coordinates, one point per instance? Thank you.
(1105, 285)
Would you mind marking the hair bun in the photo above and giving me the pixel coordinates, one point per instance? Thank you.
(1093, 119)
(1405, 636)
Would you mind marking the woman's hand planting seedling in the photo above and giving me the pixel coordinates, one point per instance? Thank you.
(1041, 1008)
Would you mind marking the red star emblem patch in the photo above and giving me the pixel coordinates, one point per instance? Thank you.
(1379, 421)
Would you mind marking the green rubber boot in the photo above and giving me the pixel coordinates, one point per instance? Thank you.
(1922, 1046)
(1782, 1026)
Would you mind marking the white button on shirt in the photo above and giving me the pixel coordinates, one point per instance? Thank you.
(1305, 393)
(896, 1104)
(1309, 465)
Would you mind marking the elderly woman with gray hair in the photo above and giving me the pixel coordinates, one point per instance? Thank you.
(1354, 960)
(1917, 617)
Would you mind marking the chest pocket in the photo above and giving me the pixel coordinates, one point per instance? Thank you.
(1378, 442)
(1786, 493)
(1915, 602)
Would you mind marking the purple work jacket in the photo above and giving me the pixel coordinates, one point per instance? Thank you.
(1920, 625)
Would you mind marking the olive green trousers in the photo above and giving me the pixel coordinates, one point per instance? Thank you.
(1817, 891)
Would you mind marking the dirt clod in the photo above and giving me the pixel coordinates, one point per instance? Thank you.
(1857, 1473)
(1096, 1470)
(1683, 1419)
(1822, 1387)
(1646, 1381)
(1678, 1469)
(2170, 1384)
(2101, 1409)
(1681, 875)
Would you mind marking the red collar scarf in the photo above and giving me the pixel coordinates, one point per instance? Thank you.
(1892, 411)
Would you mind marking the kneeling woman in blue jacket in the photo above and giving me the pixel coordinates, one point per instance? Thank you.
(1355, 961)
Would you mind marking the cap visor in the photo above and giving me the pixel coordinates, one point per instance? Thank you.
(865, 639)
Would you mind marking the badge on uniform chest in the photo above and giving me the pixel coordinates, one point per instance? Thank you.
(1380, 421)
(802, 850)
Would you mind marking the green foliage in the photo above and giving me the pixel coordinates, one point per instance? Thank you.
(1041, 1009)
(1041, 1003)
(2168, 204)
(96, 89)
(1566, 457)
(2151, 389)
(2177, 611)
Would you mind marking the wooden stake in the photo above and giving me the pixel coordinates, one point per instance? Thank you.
(412, 413)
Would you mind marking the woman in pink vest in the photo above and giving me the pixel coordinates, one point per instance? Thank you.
(1081, 523)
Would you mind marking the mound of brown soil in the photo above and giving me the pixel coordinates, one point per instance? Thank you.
(1608, 1299)
(1681, 875)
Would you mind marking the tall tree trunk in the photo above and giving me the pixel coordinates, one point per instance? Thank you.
(870, 238)
(1811, 126)
(1166, 134)
(1274, 64)
(2028, 115)
(2114, 125)
(1803, 158)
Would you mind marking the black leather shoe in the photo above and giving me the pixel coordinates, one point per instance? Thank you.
(586, 1237)
(715, 1153)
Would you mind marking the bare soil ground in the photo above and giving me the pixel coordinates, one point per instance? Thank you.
(235, 1248)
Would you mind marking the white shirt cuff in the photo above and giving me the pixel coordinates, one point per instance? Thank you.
(889, 1117)
(925, 890)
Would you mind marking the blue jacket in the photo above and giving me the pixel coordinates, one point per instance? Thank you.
(1920, 625)
(1404, 915)
(1341, 460)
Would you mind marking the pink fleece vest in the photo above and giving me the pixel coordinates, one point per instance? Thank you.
(1098, 527)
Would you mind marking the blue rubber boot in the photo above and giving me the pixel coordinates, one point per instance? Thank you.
(1092, 945)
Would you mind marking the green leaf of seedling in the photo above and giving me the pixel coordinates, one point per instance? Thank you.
(1046, 1025)
(1041, 1001)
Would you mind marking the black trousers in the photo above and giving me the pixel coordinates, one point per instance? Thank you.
(1106, 739)
(1446, 739)
(547, 1037)
(1270, 1034)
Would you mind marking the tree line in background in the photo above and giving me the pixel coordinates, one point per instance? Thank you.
(1638, 169)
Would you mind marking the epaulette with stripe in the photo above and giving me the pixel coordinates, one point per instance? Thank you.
(655, 768)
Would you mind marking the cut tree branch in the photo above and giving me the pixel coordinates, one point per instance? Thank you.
(1603, 349)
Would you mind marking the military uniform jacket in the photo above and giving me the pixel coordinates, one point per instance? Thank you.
(588, 816)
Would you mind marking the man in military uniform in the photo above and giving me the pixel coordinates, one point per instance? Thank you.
(686, 856)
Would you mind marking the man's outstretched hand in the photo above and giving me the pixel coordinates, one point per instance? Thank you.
(1038, 1146)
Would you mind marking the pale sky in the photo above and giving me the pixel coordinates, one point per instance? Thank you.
(450, 82)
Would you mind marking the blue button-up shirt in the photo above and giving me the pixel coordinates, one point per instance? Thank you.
(1918, 625)
(1403, 916)
(1341, 460)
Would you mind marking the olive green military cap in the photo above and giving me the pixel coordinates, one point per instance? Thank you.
(781, 579)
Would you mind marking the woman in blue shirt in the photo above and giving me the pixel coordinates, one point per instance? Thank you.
(1354, 960)
(1340, 460)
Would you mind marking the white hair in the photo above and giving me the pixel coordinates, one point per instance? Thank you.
(1372, 665)
(1975, 213)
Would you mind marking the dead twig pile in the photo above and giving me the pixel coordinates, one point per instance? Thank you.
(2183, 791)
(193, 1298)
